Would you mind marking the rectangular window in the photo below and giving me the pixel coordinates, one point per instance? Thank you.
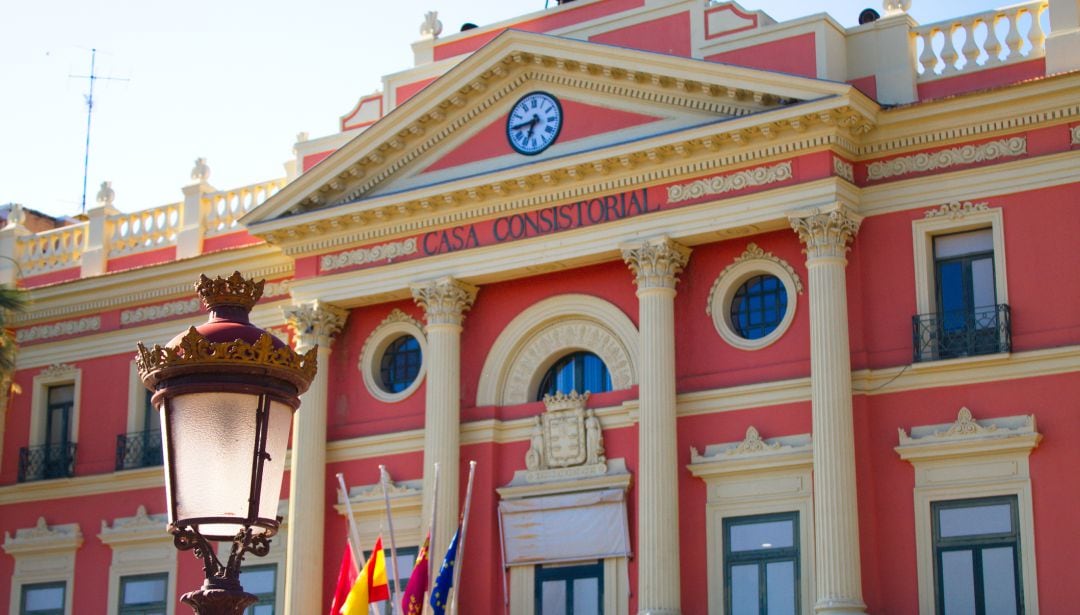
(977, 557)
(60, 402)
(42, 599)
(406, 558)
(262, 582)
(576, 589)
(761, 564)
(144, 594)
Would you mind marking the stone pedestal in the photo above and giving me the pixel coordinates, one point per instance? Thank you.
(444, 301)
(313, 323)
(826, 233)
(656, 265)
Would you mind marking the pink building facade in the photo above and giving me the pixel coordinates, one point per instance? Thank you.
(735, 316)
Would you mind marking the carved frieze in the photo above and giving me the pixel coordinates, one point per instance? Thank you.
(1075, 133)
(385, 252)
(943, 159)
(58, 329)
(844, 169)
(59, 370)
(157, 312)
(720, 184)
(955, 210)
(565, 441)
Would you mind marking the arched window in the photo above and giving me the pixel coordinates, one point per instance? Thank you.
(580, 371)
(400, 364)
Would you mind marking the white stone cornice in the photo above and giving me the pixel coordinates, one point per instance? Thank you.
(43, 538)
(141, 527)
(656, 263)
(751, 454)
(445, 300)
(968, 436)
(826, 232)
(315, 323)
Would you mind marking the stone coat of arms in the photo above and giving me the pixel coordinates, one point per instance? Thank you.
(565, 437)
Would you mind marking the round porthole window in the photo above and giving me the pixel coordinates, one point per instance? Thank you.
(752, 302)
(393, 360)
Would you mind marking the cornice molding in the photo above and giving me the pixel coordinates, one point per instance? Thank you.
(967, 436)
(140, 528)
(43, 538)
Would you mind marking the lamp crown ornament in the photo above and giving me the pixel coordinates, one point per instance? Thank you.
(233, 290)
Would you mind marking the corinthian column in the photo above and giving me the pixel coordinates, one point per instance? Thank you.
(826, 233)
(444, 301)
(312, 323)
(656, 265)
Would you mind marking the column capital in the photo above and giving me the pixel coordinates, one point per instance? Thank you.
(315, 323)
(656, 262)
(444, 300)
(826, 231)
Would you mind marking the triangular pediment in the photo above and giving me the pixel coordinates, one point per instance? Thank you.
(454, 129)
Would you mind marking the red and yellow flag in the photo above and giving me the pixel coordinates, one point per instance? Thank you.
(346, 578)
(371, 585)
(412, 601)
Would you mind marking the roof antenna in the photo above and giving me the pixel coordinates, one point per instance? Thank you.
(89, 114)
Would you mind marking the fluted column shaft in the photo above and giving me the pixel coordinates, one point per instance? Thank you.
(826, 233)
(445, 302)
(656, 265)
(312, 323)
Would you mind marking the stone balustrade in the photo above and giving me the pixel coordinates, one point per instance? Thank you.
(981, 41)
(224, 208)
(143, 230)
(107, 232)
(51, 250)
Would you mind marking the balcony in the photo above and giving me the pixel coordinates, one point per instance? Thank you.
(138, 449)
(961, 333)
(46, 461)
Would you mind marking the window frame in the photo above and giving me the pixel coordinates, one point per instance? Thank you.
(753, 262)
(761, 557)
(47, 584)
(976, 543)
(138, 609)
(264, 599)
(568, 573)
(52, 376)
(393, 327)
(43, 554)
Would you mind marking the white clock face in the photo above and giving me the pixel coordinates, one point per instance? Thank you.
(534, 123)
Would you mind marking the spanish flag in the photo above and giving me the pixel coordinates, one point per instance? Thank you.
(412, 601)
(371, 585)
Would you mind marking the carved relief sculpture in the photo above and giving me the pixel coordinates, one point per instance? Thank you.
(566, 440)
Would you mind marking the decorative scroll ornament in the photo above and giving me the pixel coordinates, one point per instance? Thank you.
(277, 289)
(445, 300)
(720, 184)
(58, 329)
(844, 169)
(1075, 132)
(315, 322)
(58, 370)
(752, 443)
(755, 253)
(362, 256)
(965, 425)
(157, 312)
(656, 263)
(566, 440)
(929, 161)
(956, 210)
(825, 233)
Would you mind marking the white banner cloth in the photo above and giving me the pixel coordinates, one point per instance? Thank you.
(565, 528)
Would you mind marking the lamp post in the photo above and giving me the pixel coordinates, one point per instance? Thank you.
(226, 391)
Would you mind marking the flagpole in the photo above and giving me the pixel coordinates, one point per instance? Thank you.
(502, 571)
(394, 595)
(461, 539)
(431, 534)
(354, 532)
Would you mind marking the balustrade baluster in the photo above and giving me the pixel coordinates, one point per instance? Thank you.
(970, 49)
(948, 51)
(1013, 40)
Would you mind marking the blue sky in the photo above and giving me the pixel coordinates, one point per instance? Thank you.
(230, 80)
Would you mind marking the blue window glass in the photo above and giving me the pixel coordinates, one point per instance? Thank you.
(580, 371)
(758, 306)
(260, 581)
(400, 364)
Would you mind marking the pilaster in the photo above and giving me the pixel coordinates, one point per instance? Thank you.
(445, 302)
(314, 323)
(826, 232)
(656, 264)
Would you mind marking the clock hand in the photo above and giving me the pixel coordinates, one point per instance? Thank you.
(530, 124)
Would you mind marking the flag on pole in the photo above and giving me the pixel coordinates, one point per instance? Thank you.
(370, 586)
(345, 579)
(440, 592)
(412, 602)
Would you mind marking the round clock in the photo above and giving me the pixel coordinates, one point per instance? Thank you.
(534, 123)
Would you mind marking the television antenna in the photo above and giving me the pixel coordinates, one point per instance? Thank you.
(92, 77)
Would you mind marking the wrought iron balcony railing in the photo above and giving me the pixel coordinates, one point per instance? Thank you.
(961, 333)
(138, 449)
(46, 461)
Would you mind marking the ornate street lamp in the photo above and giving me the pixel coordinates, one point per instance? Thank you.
(226, 391)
